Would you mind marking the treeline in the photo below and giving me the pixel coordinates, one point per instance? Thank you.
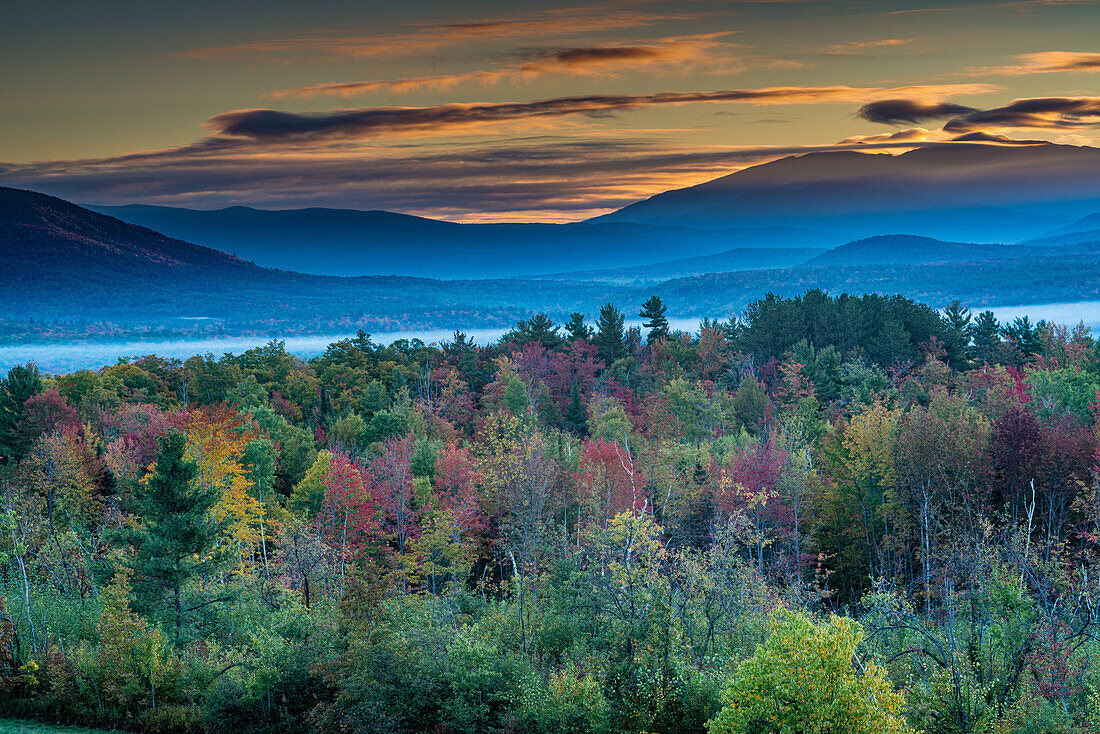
(848, 514)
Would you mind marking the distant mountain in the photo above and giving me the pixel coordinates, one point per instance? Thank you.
(1084, 224)
(913, 250)
(1086, 229)
(63, 263)
(956, 192)
(66, 269)
(724, 262)
(350, 242)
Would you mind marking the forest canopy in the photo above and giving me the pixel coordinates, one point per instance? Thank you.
(832, 514)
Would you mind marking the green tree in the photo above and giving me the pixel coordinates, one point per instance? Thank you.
(577, 329)
(804, 680)
(515, 397)
(177, 541)
(987, 338)
(21, 383)
(610, 337)
(653, 311)
(540, 329)
(957, 318)
(129, 661)
(1024, 337)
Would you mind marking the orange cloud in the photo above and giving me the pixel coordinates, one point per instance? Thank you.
(862, 48)
(1046, 62)
(670, 55)
(909, 135)
(432, 37)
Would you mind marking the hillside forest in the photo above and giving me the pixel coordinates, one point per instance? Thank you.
(842, 515)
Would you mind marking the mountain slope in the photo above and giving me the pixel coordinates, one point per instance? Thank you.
(1084, 224)
(957, 192)
(44, 231)
(350, 242)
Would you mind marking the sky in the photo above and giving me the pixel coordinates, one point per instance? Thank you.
(512, 111)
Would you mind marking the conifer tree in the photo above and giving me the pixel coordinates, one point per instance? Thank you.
(177, 540)
(20, 385)
(987, 337)
(576, 416)
(539, 328)
(609, 333)
(577, 329)
(957, 318)
(653, 311)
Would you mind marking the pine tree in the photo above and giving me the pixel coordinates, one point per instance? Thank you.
(653, 311)
(176, 542)
(539, 328)
(20, 385)
(957, 319)
(1024, 337)
(987, 337)
(577, 329)
(609, 333)
(577, 416)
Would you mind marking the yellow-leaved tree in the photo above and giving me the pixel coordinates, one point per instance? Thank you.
(807, 679)
(216, 439)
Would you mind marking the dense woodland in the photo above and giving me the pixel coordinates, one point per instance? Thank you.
(840, 515)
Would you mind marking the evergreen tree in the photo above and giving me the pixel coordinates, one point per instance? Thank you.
(610, 336)
(1024, 337)
(987, 337)
(577, 329)
(539, 328)
(176, 542)
(957, 318)
(577, 417)
(653, 311)
(21, 383)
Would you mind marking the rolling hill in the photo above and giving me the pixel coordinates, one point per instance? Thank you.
(731, 261)
(914, 250)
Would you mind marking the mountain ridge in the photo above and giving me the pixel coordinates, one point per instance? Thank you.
(957, 192)
(350, 242)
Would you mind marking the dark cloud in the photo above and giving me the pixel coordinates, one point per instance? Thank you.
(910, 111)
(602, 54)
(1049, 113)
(274, 126)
